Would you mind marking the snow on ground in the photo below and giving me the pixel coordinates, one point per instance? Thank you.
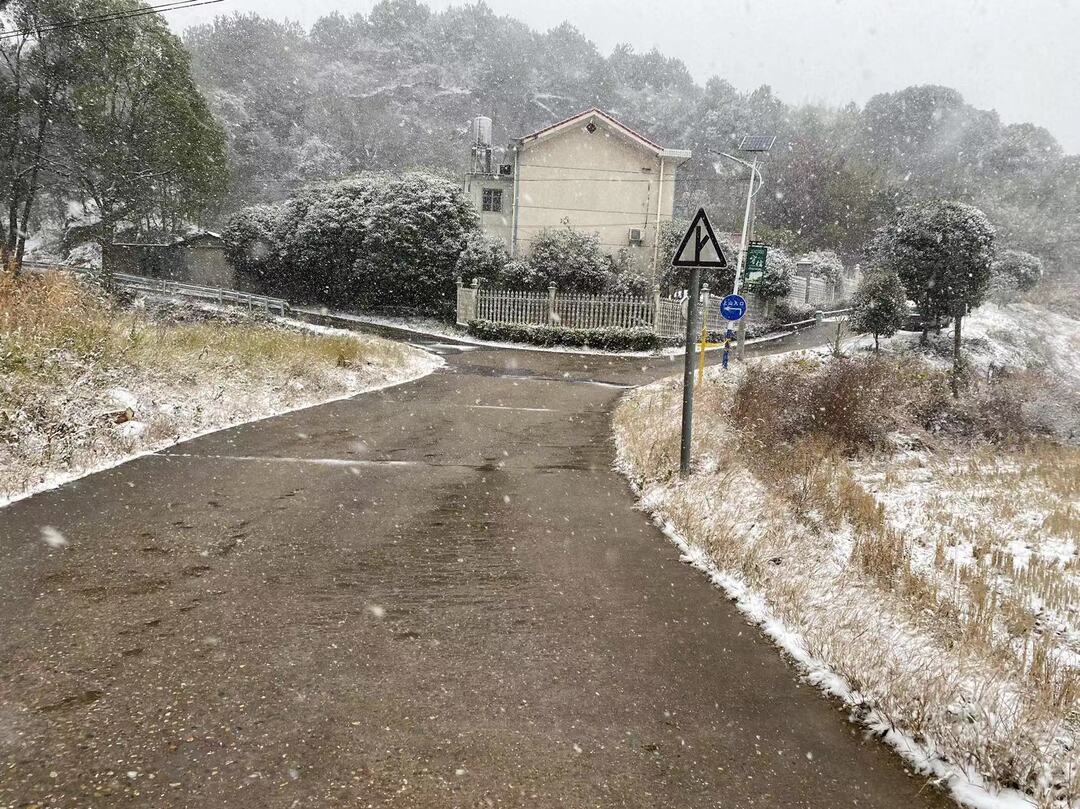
(1025, 335)
(964, 654)
(160, 407)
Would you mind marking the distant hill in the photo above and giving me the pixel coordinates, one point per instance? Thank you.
(396, 89)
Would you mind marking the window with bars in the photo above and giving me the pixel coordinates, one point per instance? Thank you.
(492, 201)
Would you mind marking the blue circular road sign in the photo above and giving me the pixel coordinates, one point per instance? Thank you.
(733, 307)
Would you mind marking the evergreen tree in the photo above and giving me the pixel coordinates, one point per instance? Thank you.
(942, 251)
(880, 305)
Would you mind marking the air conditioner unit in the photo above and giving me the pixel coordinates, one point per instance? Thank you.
(636, 236)
(506, 170)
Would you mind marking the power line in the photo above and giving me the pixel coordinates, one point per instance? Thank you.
(176, 5)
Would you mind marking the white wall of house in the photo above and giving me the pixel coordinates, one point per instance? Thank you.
(493, 197)
(592, 173)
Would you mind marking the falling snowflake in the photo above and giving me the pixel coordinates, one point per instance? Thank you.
(53, 538)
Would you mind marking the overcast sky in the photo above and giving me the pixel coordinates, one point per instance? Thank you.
(1020, 57)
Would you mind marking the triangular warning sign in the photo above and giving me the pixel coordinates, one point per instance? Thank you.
(700, 247)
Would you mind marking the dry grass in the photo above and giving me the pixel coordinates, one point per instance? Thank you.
(940, 581)
(71, 358)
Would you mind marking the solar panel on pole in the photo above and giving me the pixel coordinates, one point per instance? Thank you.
(757, 143)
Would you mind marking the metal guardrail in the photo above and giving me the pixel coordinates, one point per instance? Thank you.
(211, 294)
(161, 286)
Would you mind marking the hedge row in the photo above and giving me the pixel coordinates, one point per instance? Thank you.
(609, 339)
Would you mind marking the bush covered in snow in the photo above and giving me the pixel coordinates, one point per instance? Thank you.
(825, 263)
(880, 305)
(573, 260)
(249, 240)
(484, 256)
(1016, 270)
(370, 242)
(608, 339)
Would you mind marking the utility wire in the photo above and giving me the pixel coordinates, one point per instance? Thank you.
(176, 5)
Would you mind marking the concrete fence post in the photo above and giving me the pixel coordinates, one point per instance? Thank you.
(552, 316)
(460, 301)
(656, 308)
(474, 304)
(706, 298)
(819, 317)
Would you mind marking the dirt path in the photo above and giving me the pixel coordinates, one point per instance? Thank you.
(437, 595)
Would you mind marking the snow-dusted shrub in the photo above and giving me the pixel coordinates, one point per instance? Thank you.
(517, 274)
(573, 260)
(1015, 269)
(784, 311)
(880, 305)
(606, 339)
(826, 263)
(484, 256)
(248, 239)
(849, 404)
(775, 282)
(370, 242)
(942, 251)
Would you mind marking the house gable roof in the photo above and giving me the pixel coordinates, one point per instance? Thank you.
(597, 115)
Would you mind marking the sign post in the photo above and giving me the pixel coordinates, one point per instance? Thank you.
(699, 248)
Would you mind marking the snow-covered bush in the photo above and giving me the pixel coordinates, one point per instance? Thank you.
(942, 251)
(775, 283)
(370, 242)
(573, 260)
(484, 256)
(605, 339)
(248, 238)
(880, 305)
(1016, 270)
(826, 263)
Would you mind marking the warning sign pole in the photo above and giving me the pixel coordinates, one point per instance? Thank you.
(699, 248)
(688, 371)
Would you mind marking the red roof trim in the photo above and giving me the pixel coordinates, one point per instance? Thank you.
(595, 111)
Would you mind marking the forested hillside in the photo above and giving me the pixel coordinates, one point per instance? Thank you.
(396, 89)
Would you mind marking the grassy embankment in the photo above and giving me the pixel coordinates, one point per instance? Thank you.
(923, 549)
(85, 381)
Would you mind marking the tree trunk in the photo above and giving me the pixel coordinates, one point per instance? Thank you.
(925, 313)
(877, 348)
(31, 188)
(959, 319)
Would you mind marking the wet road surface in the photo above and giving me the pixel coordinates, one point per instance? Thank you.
(436, 595)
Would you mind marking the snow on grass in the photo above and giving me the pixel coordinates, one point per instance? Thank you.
(85, 386)
(931, 586)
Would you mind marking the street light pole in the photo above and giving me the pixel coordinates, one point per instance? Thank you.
(746, 227)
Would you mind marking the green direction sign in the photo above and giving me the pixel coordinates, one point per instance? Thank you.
(756, 257)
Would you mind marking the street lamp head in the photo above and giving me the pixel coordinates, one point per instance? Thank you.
(757, 143)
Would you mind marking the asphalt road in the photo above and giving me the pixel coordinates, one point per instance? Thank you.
(436, 595)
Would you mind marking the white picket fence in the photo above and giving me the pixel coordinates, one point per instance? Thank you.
(664, 316)
(599, 311)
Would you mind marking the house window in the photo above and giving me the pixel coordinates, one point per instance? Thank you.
(492, 202)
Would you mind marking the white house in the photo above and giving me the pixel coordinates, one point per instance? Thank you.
(591, 171)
